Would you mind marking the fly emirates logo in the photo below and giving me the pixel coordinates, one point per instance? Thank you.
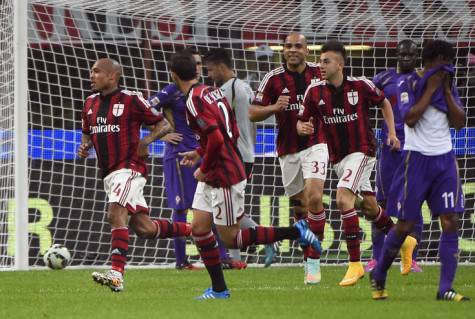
(103, 127)
(339, 116)
(297, 105)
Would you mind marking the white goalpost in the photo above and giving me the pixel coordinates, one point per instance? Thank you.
(49, 195)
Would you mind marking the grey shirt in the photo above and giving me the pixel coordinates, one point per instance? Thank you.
(240, 102)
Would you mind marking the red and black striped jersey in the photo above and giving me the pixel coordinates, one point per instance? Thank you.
(207, 110)
(344, 112)
(113, 122)
(279, 82)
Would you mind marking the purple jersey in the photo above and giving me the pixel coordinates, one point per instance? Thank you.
(387, 81)
(171, 101)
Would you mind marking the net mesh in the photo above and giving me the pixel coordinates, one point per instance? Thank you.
(67, 202)
(6, 124)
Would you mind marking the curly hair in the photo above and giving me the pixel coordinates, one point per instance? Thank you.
(437, 49)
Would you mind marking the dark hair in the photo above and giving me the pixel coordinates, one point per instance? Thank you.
(434, 49)
(335, 46)
(191, 50)
(184, 65)
(217, 56)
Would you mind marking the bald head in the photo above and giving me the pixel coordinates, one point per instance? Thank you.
(295, 51)
(105, 75)
(296, 37)
(109, 66)
(406, 55)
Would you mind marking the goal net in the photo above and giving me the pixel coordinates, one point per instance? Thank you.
(67, 203)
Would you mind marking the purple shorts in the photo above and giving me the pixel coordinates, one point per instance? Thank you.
(180, 184)
(387, 164)
(431, 178)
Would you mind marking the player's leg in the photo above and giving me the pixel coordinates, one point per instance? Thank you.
(384, 175)
(179, 198)
(383, 223)
(353, 171)
(316, 220)
(228, 207)
(121, 187)
(205, 241)
(345, 199)
(235, 254)
(147, 228)
(392, 244)
(417, 234)
(179, 243)
(246, 221)
(408, 192)
(446, 199)
(114, 278)
(294, 185)
(448, 253)
(377, 240)
(223, 251)
(235, 261)
(314, 168)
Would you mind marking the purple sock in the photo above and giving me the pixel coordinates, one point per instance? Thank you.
(377, 237)
(223, 252)
(417, 234)
(179, 243)
(391, 247)
(448, 254)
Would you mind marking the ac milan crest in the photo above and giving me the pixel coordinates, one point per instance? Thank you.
(118, 109)
(352, 97)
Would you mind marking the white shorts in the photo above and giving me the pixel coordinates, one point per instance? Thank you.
(125, 187)
(354, 172)
(226, 204)
(312, 162)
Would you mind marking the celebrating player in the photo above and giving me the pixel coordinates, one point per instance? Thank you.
(221, 178)
(342, 104)
(239, 95)
(389, 159)
(303, 159)
(429, 105)
(111, 121)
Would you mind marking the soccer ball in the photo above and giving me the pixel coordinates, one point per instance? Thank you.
(57, 257)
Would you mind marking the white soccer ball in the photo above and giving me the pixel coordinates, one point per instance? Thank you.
(57, 257)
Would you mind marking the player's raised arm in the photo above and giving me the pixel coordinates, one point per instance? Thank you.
(388, 116)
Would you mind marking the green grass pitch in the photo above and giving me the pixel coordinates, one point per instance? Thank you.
(255, 293)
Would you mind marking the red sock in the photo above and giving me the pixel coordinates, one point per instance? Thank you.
(209, 252)
(120, 245)
(351, 229)
(316, 222)
(165, 229)
(383, 222)
(264, 235)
